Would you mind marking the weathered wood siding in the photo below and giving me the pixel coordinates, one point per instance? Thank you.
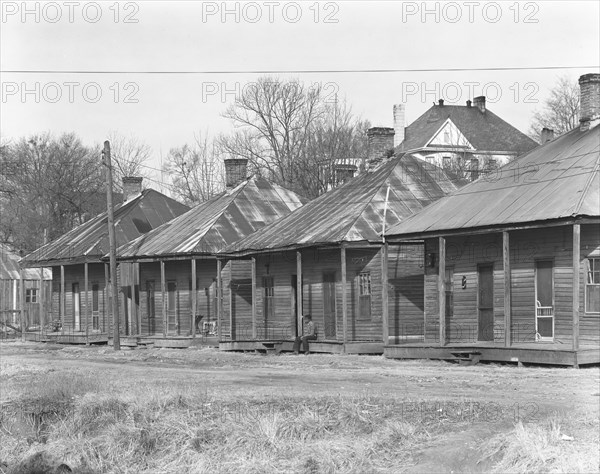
(464, 254)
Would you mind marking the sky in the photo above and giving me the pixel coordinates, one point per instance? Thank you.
(162, 71)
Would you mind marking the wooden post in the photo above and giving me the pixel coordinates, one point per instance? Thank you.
(86, 300)
(576, 284)
(194, 298)
(299, 302)
(112, 243)
(384, 295)
(22, 301)
(133, 315)
(507, 290)
(62, 299)
(344, 299)
(138, 309)
(442, 289)
(108, 301)
(253, 274)
(219, 308)
(163, 291)
(42, 301)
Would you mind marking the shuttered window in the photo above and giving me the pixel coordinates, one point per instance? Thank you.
(592, 285)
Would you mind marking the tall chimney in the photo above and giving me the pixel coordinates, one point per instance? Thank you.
(236, 171)
(381, 141)
(132, 187)
(399, 121)
(479, 102)
(546, 136)
(589, 101)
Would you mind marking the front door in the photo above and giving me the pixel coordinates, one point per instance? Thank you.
(172, 308)
(76, 307)
(294, 304)
(268, 304)
(329, 306)
(544, 300)
(485, 331)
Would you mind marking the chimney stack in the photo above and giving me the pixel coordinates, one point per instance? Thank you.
(132, 187)
(469, 103)
(546, 136)
(236, 171)
(441, 102)
(381, 141)
(589, 101)
(480, 103)
(399, 124)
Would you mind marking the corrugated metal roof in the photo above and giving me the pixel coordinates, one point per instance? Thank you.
(212, 225)
(10, 269)
(485, 131)
(558, 180)
(354, 211)
(89, 241)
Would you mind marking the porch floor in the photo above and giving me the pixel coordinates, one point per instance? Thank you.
(319, 346)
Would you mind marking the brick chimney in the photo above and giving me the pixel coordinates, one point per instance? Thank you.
(381, 141)
(479, 102)
(236, 171)
(469, 103)
(399, 124)
(589, 101)
(132, 187)
(546, 136)
(343, 172)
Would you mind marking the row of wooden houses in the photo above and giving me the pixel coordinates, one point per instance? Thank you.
(408, 258)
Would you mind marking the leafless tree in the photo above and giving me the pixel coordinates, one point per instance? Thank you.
(196, 171)
(129, 156)
(561, 109)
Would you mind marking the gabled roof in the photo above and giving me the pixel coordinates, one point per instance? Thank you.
(10, 269)
(556, 181)
(89, 241)
(485, 131)
(354, 212)
(211, 226)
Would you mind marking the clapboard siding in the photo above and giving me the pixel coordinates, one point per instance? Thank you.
(464, 254)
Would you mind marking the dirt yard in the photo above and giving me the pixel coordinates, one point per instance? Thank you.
(471, 403)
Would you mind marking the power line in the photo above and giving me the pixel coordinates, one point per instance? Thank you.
(294, 71)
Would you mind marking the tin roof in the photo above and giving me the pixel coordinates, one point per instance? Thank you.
(558, 180)
(10, 269)
(210, 226)
(485, 131)
(89, 241)
(354, 212)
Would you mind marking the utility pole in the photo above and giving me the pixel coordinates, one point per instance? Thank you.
(113, 246)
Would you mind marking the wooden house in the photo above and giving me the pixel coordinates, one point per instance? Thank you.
(513, 261)
(79, 308)
(326, 259)
(21, 292)
(176, 263)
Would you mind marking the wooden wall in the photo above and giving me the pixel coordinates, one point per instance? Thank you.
(10, 301)
(464, 254)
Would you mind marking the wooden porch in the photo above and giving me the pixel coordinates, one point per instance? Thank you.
(521, 353)
(319, 346)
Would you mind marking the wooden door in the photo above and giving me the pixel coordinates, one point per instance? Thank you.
(544, 300)
(172, 308)
(76, 307)
(294, 304)
(485, 308)
(95, 306)
(151, 306)
(329, 306)
(268, 304)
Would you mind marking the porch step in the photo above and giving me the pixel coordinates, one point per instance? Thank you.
(467, 357)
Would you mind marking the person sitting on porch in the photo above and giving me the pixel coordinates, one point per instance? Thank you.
(309, 334)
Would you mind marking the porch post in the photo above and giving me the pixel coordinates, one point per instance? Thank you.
(442, 289)
(62, 299)
(384, 295)
(194, 298)
(41, 301)
(22, 301)
(344, 299)
(507, 290)
(576, 284)
(133, 315)
(253, 274)
(138, 309)
(107, 301)
(86, 299)
(219, 308)
(299, 302)
(163, 292)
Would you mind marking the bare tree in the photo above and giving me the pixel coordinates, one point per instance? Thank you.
(196, 171)
(129, 156)
(561, 109)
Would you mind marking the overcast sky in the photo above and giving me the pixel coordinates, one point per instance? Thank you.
(162, 71)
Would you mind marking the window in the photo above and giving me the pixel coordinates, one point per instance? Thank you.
(446, 162)
(31, 295)
(364, 295)
(592, 285)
